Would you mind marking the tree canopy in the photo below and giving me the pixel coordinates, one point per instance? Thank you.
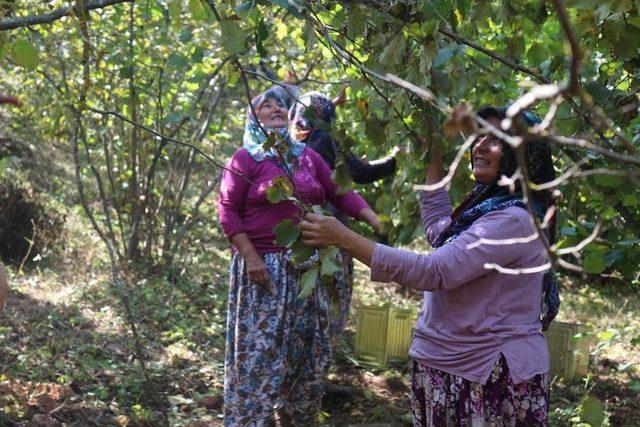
(149, 98)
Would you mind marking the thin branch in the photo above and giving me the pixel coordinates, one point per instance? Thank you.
(494, 55)
(12, 23)
(174, 140)
(452, 168)
(576, 52)
(582, 244)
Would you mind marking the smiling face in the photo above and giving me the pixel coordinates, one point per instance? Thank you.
(486, 155)
(272, 114)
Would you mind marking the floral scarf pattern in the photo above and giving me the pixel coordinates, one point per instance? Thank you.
(314, 110)
(254, 138)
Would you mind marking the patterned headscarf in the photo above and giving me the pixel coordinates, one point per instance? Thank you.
(254, 139)
(485, 198)
(314, 110)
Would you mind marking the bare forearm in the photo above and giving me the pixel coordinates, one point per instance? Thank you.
(242, 243)
(435, 170)
(360, 247)
(370, 217)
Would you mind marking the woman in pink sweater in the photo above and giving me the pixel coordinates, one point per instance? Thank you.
(479, 356)
(278, 350)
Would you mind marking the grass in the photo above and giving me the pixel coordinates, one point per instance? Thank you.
(66, 355)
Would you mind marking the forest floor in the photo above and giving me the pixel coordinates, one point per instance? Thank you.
(66, 355)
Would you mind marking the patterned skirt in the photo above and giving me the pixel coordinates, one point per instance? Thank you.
(442, 399)
(277, 349)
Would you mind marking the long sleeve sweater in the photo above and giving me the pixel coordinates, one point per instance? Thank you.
(472, 312)
(244, 208)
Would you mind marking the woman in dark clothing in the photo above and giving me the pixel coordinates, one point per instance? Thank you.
(311, 119)
(314, 130)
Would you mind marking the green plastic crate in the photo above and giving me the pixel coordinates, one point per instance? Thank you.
(383, 335)
(568, 350)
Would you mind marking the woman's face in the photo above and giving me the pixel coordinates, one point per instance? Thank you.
(272, 114)
(486, 155)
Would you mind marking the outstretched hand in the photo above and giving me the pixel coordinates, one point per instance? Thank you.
(321, 230)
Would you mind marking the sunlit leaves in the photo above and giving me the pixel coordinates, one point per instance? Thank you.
(175, 9)
(330, 265)
(536, 54)
(233, 37)
(197, 9)
(308, 282)
(279, 190)
(25, 54)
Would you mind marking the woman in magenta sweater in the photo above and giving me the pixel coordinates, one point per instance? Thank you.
(479, 356)
(278, 351)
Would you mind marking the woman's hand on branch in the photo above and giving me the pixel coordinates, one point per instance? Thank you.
(435, 170)
(321, 230)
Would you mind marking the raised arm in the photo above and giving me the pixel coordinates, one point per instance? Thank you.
(448, 267)
(457, 262)
(364, 172)
(350, 202)
(435, 206)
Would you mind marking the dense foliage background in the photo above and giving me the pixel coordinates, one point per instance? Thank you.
(129, 105)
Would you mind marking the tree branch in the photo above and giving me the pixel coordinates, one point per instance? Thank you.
(12, 23)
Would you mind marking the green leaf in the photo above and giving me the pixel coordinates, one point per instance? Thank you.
(233, 37)
(342, 177)
(177, 60)
(301, 252)
(25, 54)
(292, 6)
(375, 130)
(175, 9)
(394, 51)
(286, 233)
(4, 49)
(594, 262)
(328, 259)
(280, 189)
(245, 8)
(445, 54)
(537, 54)
(630, 200)
(308, 282)
(439, 9)
(197, 10)
(592, 411)
(185, 35)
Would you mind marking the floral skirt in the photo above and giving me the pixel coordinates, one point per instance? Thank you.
(340, 295)
(442, 399)
(277, 347)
